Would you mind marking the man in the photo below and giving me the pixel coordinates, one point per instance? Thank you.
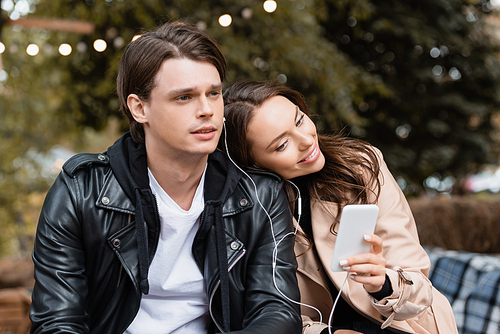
(160, 234)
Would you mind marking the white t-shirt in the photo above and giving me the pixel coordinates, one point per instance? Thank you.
(177, 301)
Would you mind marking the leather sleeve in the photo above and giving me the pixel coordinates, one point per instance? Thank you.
(61, 286)
(270, 310)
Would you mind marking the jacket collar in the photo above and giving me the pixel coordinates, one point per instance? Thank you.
(128, 161)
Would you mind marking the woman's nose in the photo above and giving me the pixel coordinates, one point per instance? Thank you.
(306, 140)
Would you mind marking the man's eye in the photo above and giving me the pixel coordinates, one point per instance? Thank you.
(183, 98)
(215, 93)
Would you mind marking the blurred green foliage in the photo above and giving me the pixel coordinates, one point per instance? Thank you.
(418, 79)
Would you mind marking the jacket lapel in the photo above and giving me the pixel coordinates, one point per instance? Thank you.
(112, 197)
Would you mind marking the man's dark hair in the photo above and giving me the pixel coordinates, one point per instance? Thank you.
(143, 58)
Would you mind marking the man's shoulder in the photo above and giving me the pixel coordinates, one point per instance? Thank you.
(83, 160)
(266, 182)
(263, 175)
(219, 158)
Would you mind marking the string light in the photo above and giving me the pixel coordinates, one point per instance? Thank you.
(100, 45)
(225, 20)
(65, 49)
(270, 6)
(32, 50)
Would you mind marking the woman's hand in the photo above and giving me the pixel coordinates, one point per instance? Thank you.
(367, 268)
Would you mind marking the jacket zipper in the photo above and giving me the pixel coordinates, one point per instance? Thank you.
(121, 265)
(210, 307)
(119, 276)
(215, 290)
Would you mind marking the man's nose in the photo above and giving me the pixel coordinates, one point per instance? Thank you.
(205, 108)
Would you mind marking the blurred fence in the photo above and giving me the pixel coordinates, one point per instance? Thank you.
(458, 223)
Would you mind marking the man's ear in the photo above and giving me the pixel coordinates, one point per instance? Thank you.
(136, 107)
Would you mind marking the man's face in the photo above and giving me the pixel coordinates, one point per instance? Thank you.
(183, 118)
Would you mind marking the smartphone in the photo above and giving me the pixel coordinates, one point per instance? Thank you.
(356, 220)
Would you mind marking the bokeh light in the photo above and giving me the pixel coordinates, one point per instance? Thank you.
(136, 37)
(270, 6)
(32, 50)
(100, 45)
(65, 49)
(225, 20)
(2, 47)
(3, 76)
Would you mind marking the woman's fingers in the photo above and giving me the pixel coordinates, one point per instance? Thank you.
(375, 241)
(375, 255)
(372, 258)
(372, 284)
(368, 268)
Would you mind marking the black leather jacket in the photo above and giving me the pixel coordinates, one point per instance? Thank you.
(98, 232)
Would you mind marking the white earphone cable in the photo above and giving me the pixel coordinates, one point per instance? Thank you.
(335, 304)
(276, 243)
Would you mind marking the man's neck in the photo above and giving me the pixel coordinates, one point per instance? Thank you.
(179, 178)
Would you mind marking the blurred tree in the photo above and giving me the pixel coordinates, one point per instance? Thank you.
(440, 61)
(418, 79)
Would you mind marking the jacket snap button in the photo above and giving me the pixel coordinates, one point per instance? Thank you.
(101, 157)
(116, 243)
(244, 202)
(234, 245)
(105, 200)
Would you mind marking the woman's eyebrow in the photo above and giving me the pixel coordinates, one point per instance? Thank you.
(281, 135)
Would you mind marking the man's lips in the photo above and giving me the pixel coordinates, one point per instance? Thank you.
(205, 129)
(311, 156)
(205, 133)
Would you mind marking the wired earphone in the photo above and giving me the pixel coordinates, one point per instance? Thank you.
(289, 234)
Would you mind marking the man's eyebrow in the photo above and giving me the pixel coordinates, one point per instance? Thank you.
(217, 86)
(285, 132)
(193, 88)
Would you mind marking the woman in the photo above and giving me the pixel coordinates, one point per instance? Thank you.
(267, 127)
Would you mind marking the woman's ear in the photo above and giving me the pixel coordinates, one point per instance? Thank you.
(137, 108)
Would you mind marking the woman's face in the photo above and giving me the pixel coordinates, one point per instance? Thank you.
(284, 139)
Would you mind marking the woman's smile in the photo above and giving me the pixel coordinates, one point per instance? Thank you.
(312, 156)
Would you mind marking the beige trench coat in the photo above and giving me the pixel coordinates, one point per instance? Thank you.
(417, 308)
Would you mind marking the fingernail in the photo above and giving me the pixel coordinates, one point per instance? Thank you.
(346, 268)
(367, 237)
(351, 276)
(342, 262)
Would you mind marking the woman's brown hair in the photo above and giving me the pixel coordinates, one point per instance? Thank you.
(351, 166)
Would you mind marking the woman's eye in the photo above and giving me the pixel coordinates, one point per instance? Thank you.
(281, 147)
(301, 119)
